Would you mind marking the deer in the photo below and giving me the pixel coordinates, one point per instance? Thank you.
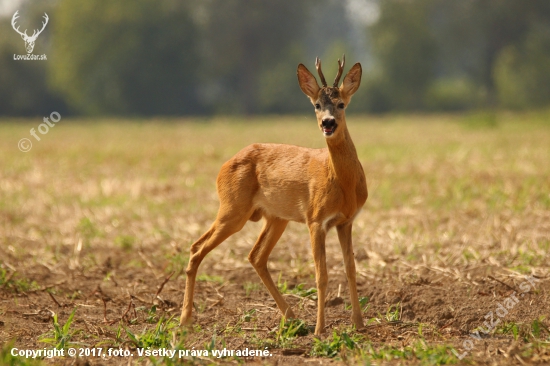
(323, 188)
(29, 41)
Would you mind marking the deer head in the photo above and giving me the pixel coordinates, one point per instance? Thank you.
(330, 101)
(29, 41)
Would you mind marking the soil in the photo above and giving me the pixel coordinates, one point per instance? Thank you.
(448, 305)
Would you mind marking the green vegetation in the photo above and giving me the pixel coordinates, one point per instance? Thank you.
(205, 277)
(125, 242)
(393, 313)
(338, 343)
(6, 357)
(152, 316)
(159, 337)
(345, 346)
(154, 35)
(535, 331)
(419, 351)
(177, 261)
(249, 287)
(61, 335)
(288, 330)
(249, 315)
(298, 290)
(88, 230)
(13, 282)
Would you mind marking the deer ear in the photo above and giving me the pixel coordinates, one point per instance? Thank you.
(352, 80)
(307, 82)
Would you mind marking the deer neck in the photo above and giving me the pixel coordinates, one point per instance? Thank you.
(343, 160)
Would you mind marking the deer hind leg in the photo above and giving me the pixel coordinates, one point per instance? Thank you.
(271, 232)
(226, 224)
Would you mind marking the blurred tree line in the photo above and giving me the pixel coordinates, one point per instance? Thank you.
(178, 57)
(455, 55)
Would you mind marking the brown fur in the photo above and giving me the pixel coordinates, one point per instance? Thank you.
(322, 188)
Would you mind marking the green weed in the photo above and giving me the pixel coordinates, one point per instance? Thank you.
(282, 286)
(61, 334)
(125, 242)
(508, 328)
(332, 347)
(12, 282)
(249, 287)
(299, 289)
(6, 357)
(393, 313)
(88, 229)
(209, 278)
(419, 351)
(211, 345)
(151, 313)
(159, 337)
(539, 328)
(290, 329)
(534, 331)
(176, 261)
(249, 315)
(346, 346)
(363, 303)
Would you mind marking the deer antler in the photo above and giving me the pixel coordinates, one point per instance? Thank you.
(318, 67)
(13, 19)
(43, 26)
(340, 70)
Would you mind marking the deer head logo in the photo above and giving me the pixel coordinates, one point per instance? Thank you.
(29, 41)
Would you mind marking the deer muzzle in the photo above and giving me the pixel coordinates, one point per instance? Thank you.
(328, 125)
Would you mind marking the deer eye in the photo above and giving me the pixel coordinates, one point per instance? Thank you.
(317, 106)
(341, 105)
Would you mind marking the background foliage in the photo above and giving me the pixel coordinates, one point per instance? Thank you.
(168, 57)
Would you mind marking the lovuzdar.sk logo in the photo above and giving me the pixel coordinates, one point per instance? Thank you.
(29, 40)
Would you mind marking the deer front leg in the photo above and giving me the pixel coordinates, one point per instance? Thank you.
(317, 235)
(344, 235)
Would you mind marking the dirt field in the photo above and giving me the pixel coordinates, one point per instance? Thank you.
(452, 247)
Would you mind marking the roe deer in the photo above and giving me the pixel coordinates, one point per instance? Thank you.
(322, 188)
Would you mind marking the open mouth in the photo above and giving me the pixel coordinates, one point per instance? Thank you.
(329, 131)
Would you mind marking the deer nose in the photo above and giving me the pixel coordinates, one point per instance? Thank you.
(328, 122)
